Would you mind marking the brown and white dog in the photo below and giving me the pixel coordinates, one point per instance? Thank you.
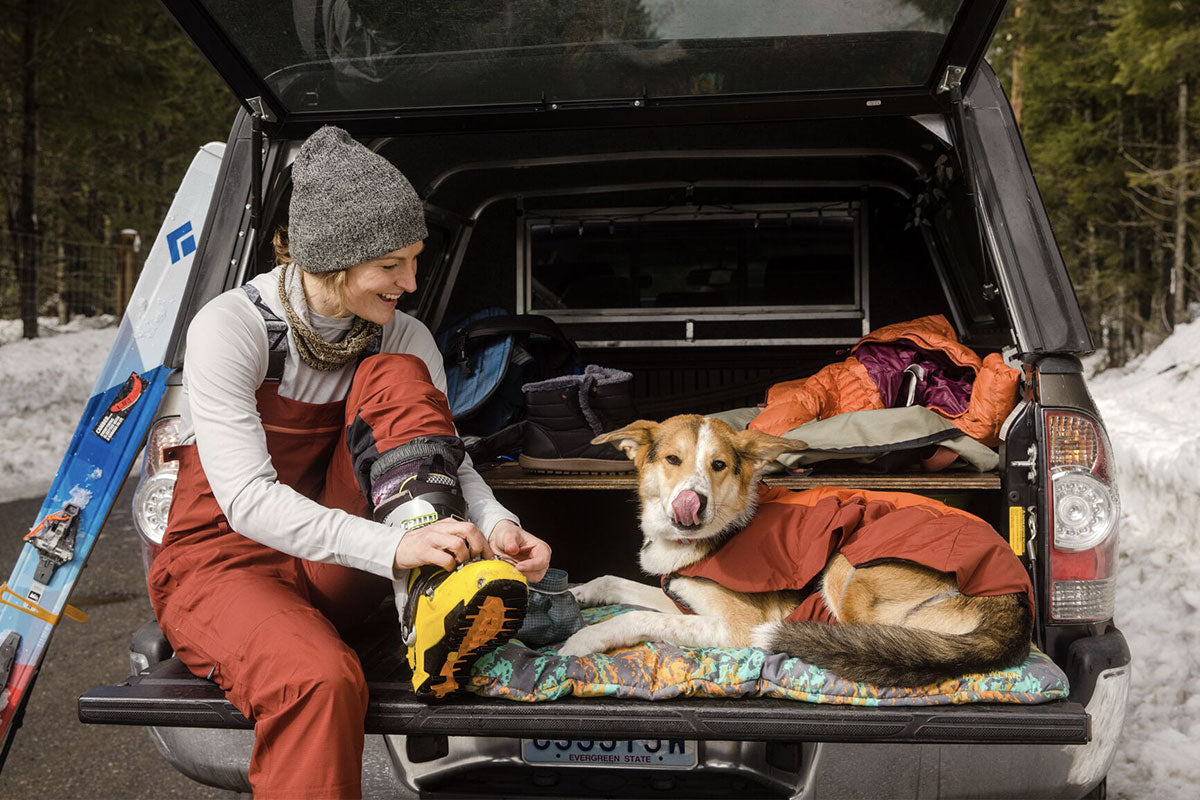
(902, 624)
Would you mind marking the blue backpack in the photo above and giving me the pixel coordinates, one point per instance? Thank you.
(490, 355)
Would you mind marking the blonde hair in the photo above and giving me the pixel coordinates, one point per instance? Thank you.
(333, 284)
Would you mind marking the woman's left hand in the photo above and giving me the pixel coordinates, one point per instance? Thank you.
(529, 554)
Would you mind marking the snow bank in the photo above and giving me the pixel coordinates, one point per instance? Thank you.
(11, 330)
(44, 385)
(1151, 409)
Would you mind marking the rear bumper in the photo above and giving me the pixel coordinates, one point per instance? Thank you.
(1010, 767)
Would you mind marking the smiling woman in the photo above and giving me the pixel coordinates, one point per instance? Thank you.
(319, 469)
(370, 289)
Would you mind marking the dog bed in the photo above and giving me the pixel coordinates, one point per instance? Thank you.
(659, 671)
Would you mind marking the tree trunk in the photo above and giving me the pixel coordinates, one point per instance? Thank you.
(60, 272)
(1116, 347)
(27, 220)
(1017, 93)
(1182, 195)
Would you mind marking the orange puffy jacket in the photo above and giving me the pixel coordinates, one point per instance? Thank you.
(848, 386)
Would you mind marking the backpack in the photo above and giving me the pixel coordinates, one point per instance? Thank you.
(490, 355)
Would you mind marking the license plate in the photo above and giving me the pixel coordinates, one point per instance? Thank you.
(624, 753)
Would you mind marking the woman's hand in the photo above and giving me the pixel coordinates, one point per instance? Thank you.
(529, 554)
(446, 543)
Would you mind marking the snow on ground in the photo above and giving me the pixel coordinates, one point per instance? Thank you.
(1151, 409)
(44, 385)
(11, 330)
(1152, 412)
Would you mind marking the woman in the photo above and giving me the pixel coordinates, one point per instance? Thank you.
(320, 471)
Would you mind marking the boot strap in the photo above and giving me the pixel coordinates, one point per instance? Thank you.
(445, 504)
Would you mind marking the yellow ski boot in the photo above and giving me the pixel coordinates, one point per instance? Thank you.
(453, 618)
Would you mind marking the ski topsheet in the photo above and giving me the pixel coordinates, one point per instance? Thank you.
(126, 395)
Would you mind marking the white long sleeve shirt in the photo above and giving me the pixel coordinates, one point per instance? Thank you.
(225, 364)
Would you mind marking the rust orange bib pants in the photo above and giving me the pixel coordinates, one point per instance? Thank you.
(265, 625)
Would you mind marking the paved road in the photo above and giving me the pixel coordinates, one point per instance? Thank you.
(54, 755)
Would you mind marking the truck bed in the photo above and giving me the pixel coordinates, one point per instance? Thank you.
(168, 695)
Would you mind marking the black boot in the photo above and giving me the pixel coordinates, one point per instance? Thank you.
(564, 414)
(610, 397)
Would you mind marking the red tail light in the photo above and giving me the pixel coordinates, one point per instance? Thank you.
(152, 500)
(1084, 516)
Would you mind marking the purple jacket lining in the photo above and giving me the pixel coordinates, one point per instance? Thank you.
(946, 385)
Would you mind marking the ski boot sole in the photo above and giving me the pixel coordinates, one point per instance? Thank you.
(471, 629)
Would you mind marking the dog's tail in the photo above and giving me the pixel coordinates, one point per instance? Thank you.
(893, 655)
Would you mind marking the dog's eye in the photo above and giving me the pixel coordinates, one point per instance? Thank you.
(718, 465)
(673, 460)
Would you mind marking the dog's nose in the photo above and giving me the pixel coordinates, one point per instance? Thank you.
(687, 507)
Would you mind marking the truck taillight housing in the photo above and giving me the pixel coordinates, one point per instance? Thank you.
(1084, 515)
(152, 500)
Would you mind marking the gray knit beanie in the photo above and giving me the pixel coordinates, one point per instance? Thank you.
(349, 205)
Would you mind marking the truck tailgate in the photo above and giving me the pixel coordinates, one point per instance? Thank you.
(168, 695)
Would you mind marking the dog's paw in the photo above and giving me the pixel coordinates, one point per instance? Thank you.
(596, 592)
(581, 643)
(765, 636)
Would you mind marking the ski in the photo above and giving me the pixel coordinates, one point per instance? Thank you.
(34, 598)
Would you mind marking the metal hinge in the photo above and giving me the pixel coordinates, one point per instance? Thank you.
(952, 79)
(1031, 462)
(259, 107)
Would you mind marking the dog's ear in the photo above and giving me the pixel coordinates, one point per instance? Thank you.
(763, 448)
(632, 438)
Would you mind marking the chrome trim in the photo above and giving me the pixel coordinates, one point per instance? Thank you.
(467, 754)
(1107, 708)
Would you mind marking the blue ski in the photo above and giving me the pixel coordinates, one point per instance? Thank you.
(110, 433)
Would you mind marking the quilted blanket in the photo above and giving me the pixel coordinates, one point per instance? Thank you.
(659, 671)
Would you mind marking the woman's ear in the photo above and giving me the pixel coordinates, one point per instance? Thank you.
(632, 439)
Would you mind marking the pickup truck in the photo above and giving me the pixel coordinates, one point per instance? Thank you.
(714, 196)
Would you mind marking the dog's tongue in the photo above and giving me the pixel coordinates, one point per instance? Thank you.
(686, 506)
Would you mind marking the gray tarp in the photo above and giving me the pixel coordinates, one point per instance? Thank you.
(866, 436)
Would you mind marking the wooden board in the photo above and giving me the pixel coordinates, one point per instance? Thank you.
(512, 476)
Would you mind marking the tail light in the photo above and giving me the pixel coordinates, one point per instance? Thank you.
(152, 500)
(1084, 515)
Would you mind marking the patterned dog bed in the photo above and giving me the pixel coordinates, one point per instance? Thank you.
(659, 671)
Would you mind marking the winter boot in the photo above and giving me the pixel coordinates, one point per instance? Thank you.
(450, 618)
(564, 414)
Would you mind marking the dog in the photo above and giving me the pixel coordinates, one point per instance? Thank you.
(898, 622)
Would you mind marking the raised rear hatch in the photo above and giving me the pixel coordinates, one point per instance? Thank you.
(337, 61)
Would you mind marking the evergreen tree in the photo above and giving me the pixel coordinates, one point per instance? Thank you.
(123, 100)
